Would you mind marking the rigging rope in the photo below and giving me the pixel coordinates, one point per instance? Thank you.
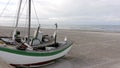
(23, 8)
(35, 12)
(5, 8)
(24, 32)
(18, 14)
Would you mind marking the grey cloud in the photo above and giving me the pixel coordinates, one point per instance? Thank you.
(79, 10)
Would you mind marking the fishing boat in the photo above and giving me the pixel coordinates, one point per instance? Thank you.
(33, 50)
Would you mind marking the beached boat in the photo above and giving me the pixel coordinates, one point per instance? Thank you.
(32, 50)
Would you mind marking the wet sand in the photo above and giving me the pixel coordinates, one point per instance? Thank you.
(91, 49)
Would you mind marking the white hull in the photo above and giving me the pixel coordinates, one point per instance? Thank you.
(12, 58)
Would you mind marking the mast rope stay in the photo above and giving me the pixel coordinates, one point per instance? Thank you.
(5, 8)
(22, 10)
(36, 12)
(17, 20)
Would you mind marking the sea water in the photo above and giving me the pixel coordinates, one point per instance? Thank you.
(115, 28)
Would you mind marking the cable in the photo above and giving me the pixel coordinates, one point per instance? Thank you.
(5, 8)
(35, 12)
(23, 8)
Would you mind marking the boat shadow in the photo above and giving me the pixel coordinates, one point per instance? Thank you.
(76, 62)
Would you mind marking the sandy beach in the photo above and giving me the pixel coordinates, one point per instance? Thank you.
(91, 49)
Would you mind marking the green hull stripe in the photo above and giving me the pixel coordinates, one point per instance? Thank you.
(20, 52)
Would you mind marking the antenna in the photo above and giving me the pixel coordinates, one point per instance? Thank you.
(56, 33)
(56, 26)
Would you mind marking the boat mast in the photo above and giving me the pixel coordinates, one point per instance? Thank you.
(29, 20)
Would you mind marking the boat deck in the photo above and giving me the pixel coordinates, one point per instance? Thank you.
(42, 49)
(3, 44)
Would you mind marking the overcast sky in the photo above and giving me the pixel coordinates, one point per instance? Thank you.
(82, 12)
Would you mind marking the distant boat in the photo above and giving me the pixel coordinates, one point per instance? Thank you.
(32, 50)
